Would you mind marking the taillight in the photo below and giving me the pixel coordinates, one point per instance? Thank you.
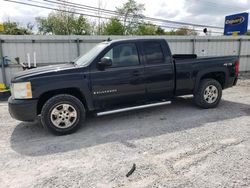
(237, 66)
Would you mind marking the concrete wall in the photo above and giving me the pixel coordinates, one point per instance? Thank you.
(60, 49)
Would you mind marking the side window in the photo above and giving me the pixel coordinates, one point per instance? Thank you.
(153, 53)
(123, 55)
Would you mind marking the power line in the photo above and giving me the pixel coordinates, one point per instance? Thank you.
(64, 4)
(89, 15)
(48, 3)
(57, 9)
(112, 12)
(118, 14)
(145, 17)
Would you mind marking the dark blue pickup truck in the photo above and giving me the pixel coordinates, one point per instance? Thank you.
(117, 76)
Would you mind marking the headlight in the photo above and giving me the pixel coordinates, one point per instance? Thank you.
(21, 90)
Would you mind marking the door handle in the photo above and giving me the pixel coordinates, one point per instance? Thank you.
(136, 73)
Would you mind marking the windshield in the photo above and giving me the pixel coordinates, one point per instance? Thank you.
(90, 55)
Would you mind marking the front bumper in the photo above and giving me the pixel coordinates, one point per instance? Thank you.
(23, 110)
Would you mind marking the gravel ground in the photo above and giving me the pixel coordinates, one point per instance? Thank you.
(177, 145)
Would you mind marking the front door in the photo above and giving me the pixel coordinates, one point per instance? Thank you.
(121, 83)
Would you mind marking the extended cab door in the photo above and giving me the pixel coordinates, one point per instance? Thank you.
(159, 69)
(123, 81)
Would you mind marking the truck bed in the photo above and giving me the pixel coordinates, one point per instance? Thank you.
(188, 68)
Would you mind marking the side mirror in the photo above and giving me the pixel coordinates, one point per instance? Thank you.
(105, 62)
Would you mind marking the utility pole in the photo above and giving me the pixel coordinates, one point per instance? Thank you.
(99, 19)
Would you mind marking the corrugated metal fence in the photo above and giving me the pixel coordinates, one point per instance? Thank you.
(60, 49)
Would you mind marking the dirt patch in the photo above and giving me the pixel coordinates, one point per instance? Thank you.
(178, 145)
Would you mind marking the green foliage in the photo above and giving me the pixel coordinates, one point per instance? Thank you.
(82, 26)
(129, 22)
(159, 31)
(131, 16)
(146, 29)
(172, 32)
(63, 23)
(133, 24)
(113, 27)
(248, 32)
(13, 28)
(150, 29)
(185, 31)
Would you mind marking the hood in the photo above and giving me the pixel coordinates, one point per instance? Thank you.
(41, 70)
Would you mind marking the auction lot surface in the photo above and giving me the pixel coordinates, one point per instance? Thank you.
(177, 145)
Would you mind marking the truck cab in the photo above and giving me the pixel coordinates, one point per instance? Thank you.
(140, 70)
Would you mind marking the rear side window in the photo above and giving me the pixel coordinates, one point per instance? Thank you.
(153, 52)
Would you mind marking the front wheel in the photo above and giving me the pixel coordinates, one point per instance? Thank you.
(63, 114)
(208, 94)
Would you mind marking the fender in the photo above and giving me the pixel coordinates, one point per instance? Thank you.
(202, 73)
(79, 81)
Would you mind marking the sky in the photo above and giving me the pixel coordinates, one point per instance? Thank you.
(209, 12)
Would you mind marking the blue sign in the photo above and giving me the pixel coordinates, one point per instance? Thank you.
(236, 23)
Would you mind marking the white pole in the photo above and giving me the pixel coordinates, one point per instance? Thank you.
(34, 59)
(28, 59)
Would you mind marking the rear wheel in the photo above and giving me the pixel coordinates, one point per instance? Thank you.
(63, 114)
(208, 94)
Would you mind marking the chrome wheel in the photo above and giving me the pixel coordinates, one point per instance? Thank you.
(63, 116)
(210, 94)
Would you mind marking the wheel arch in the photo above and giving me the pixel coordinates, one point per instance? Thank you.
(71, 91)
(218, 75)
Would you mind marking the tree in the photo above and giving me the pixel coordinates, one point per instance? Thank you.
(160, 31)
(63, 23)
(131, 16)
(185, 31)
(113, 27)
(172, 32)
(81, 26)
(149, 29)
(248, 32)
(146, 29)
(13, 28)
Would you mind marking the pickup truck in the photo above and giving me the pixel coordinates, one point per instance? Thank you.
(117, 76)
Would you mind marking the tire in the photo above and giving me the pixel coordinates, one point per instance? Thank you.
(63, 114)
(209, 93)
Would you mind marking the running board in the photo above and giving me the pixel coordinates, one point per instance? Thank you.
(132, 108)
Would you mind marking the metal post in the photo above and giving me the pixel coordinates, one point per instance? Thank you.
(193, 45)
(2, 63)
(78, 47)
(240, 44)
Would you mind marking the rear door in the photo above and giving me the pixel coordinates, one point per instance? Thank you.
(159, 69)
(122, 82)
